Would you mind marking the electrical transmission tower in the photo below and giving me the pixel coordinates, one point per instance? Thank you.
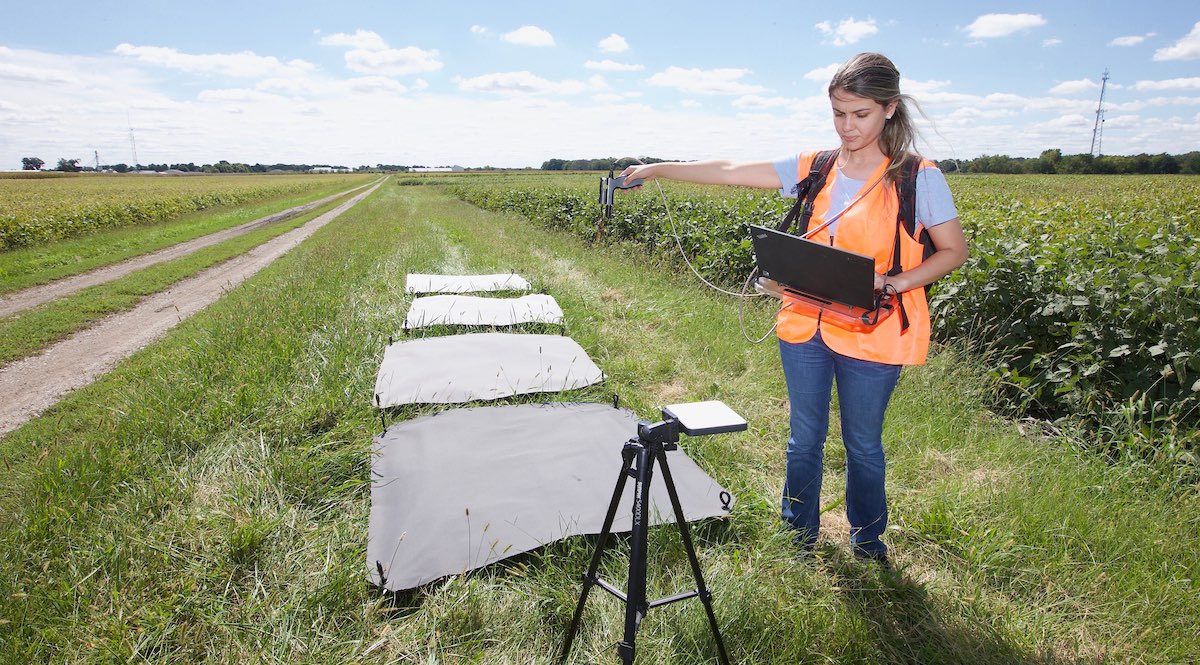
(1098, 130)
(132, 143)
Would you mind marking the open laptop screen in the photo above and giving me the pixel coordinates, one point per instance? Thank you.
(815, 269)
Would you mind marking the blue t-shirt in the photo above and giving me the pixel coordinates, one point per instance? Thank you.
(935, 204)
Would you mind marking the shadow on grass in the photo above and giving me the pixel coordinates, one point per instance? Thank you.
(911, 626)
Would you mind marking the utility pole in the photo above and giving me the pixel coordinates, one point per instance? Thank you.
(1098, 130)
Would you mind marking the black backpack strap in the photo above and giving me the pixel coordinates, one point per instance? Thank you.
(807, 190)
(906, 218)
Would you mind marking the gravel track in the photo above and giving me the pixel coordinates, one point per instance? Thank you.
(31, 385)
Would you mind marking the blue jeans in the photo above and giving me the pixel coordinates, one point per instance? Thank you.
(864, 388)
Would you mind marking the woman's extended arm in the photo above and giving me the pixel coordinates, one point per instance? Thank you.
(711, 172)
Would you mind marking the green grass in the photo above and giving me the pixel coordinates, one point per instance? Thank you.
(30, 266)
(207, 501)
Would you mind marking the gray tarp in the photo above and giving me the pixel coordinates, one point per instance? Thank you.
(417, 283)
(464, 488)
(482, 366)
(459, 310)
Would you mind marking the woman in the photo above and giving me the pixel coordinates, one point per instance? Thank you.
(875, 126)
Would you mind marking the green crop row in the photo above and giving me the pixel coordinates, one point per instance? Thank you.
(41, 210)
(1081, 292)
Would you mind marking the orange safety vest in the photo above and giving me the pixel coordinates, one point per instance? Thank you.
(868, 227)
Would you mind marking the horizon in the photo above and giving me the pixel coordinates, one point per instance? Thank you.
(480, 85)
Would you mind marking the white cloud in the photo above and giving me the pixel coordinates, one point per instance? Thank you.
(529, 35)
(1052, 42)
(848, 31)
(479, 30)
(705, 81)
(1002, 25)
(1169, 84)
(361, 39)
(1075, 87)
(610, 66)
(36, 74)
(823, 74)
(371, 55)
(393, 62)
(613, 43)
(520, 83)
(1187, 48)
(1131, 40)
(758, 102)
(246, 64)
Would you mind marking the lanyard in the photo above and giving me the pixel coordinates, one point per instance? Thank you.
(850, 205)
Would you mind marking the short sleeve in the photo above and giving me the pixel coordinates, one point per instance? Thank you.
(788, 170)
(935, 204)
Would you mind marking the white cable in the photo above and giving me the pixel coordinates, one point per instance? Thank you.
(742, 297)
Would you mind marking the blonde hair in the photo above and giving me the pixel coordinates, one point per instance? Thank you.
(873, 76)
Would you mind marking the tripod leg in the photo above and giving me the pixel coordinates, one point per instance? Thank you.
(635, 605)
(685, 533)
(590, 577)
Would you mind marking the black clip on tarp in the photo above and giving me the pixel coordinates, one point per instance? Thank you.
(609, 187)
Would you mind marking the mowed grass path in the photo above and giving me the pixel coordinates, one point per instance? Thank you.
(208, 500)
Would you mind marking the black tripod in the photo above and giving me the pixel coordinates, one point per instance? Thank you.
(651, 444)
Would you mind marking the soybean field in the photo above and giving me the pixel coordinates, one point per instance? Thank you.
(1080, 295)
(207, 499)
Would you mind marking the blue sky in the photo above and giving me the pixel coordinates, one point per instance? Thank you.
(515, 83)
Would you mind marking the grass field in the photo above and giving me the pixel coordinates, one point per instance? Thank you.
(207, 501)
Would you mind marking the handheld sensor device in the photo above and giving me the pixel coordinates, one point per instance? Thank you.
(609, 187)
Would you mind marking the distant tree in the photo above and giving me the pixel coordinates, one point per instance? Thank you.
(32, 163)
(121, 168)
(68, 165)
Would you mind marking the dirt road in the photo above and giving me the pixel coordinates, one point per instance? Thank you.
(32, 297)
(32, 385)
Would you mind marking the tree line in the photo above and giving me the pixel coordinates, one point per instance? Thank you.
(1050, 161)
(602, 164)
(1054, 161)
(73, 166)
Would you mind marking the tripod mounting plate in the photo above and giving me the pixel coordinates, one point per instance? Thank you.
(702, 418)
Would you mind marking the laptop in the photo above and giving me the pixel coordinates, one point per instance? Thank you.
(833, 279)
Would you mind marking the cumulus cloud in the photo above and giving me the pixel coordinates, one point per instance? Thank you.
(520, 83)
(479, 30)
(822, 74)
(613, 43)
(705, 81)
(1002, 25)
(361, 39)
(610, 66)
(848, 31)
(1187, 48)
(393, 62)
(1131, 40)
(529, 35)
(759, 103)
(1075, 87)
(370, 54)
(1192, 83)
(246, 64)
(36, 74)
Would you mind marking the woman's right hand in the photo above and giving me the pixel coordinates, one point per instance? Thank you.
(635, 171)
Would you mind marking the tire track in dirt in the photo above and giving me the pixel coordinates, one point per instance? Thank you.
(31, 385)
(33, 296)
